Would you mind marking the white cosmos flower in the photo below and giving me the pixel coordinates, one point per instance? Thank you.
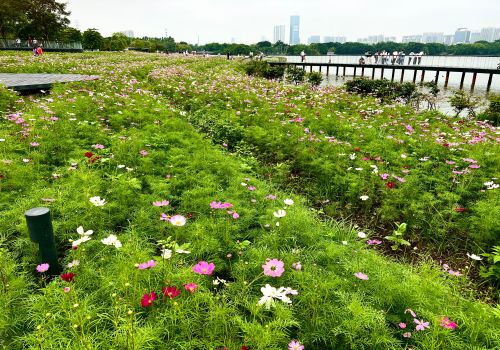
(364, 198)
(80, 241)
(82, 232)
(97, 201)
(280, 213)
(112, 240)
(288, 201)
(166, 254)
(270, 293)
(361, 234)
(474, 257)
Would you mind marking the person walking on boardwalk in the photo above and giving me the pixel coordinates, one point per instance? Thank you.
(375, 56)
(410, 57)
(35, 51)
(402, 58)
(302, 56)
(39, 50)
(420, 54)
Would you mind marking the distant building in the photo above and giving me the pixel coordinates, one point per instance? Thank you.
(294, 30)
(448, 39)
(334, 39)
(390, 38)
(487, 34)
(475, 36)
(462, 36)
(128, 33)
(433, 37)
(412, 39)
(279, 33)
(314, 39)
(496, 36)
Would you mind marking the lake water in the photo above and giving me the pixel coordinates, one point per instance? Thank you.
(488, 62)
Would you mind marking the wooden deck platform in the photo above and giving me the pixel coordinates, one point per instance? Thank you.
(32, 82)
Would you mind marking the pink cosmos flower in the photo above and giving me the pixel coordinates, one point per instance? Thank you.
(402, 325)
(446, 323)
(98, 146)
(171, 292)
(34, 144)
(455, 273)
(411, 312)
(271, 197)
(190, 287)
(252, 188)
(235, 215)
(373, 242)
(384, 176)
(67, 289)
(421, 325)
(162, 203)
(297, 266)
(147, 265)
(164, 217)
(474, 166)
(204, 268)
(295, 345)
(220, 205)
(143, 152)
(178, 220)
(361, 276)
(42, 268)
(274, 268)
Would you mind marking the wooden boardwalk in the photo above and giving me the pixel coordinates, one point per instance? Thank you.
(31, 82)
(392, 69)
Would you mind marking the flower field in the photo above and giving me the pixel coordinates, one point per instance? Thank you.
(197, 208)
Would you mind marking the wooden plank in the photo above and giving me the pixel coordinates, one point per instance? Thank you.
(474, 76)
(462, 81)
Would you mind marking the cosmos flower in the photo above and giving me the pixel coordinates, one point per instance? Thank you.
(204, 268)
(42, 268)
(361, 276)
(274, 268)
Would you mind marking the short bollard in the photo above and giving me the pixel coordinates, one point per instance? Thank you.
(41, 232)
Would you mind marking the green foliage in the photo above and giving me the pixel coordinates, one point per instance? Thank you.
(492, 271)
(264, 70)
(92, 39)
(69, 34)
(7, 99)
(381, 88)
(492, 113)
(314, 78)
(295, 75)
(397, 237)
(462, 100)
(156, 103)
(118, 42)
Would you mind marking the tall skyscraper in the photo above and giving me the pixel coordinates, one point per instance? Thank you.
(432, 37)
(412, 39)
(462, 36)
(294, 30)
(475, 36)
(279, 33)
(488, 34)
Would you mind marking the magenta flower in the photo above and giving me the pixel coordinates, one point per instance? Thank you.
(204, 268)
(98, 146)
(274, 268)
(162, 203)
(190, 287)
(297, 266)
(373, 242)
(42, 268)
(147, 299)
(295, 345)
(143, 152)
(421, 325)
(147, 265)
(34, 144)
(219, 205)
(164, 217)
(361, 276)
(402, 325)
(446, 323)
(252, 188)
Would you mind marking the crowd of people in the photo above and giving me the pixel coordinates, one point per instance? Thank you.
(394, 58)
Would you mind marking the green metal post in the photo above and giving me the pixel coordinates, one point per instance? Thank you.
(41, 232)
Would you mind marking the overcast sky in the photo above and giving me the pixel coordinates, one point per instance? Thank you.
(249, 21)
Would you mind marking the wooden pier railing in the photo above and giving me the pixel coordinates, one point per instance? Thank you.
(413, 68)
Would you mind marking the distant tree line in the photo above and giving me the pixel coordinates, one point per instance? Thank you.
(353, 48)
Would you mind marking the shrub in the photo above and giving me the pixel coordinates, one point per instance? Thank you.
(492, 114)
(295, 75)
(461, 101)
(314, 78)
(264, 70)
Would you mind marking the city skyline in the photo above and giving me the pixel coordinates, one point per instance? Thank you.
(222, 20)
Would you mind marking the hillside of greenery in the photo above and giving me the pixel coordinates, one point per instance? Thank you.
(195, 207)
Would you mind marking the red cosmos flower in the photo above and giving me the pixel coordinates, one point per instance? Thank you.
(94, 159)
(147, 299)
(244, 347)
(459, 209)
(88, 154)
(171, 292)
(357, 149)
(68, 277)
(390, 185)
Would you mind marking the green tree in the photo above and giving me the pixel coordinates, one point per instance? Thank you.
(118, 42)
(46, 18)
(92, 39)
(12, 15)
(69, 35)
(169, 44)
